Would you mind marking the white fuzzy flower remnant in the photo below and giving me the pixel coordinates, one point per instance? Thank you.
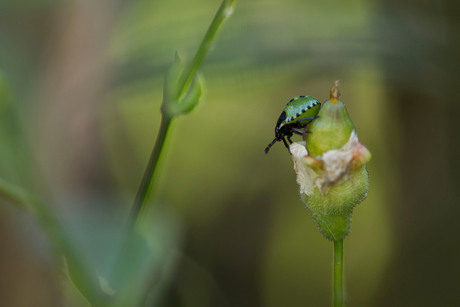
(328, 169)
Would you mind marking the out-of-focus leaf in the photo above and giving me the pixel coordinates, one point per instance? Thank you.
(129, 265)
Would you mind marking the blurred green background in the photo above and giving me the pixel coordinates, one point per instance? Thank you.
(80, 94)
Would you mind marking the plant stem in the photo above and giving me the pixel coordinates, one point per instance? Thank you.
(183, 84)
(338, 273)
(151, 171)
(224, 11)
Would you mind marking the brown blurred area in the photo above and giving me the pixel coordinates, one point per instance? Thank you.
(80, 92)
(426, 217)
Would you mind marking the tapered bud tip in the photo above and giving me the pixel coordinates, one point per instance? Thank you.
(331, 130)
(335, 92)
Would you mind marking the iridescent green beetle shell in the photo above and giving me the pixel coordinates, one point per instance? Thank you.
(295, 118)
(298, 108)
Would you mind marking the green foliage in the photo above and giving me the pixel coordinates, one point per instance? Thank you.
(129, 274)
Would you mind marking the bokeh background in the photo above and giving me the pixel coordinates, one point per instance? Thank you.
(80, 94)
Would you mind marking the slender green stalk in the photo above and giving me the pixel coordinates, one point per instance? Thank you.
(181, 94)
(338, 273)
(183, 83)
(224, 11)
(151, 170)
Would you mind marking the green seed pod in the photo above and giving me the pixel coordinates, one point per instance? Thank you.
(331, 168)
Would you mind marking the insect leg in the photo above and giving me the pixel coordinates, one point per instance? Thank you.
(298, 131)
(307, 118)
(285, 143)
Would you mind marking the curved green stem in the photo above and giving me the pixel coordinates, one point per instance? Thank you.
(151, 171)
(224, 11)
(338, 273)
(183, 84)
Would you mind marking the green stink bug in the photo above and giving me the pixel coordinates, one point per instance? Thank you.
(298, 113)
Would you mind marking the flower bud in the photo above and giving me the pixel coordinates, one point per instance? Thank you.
(331, 169)
(333, 127)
